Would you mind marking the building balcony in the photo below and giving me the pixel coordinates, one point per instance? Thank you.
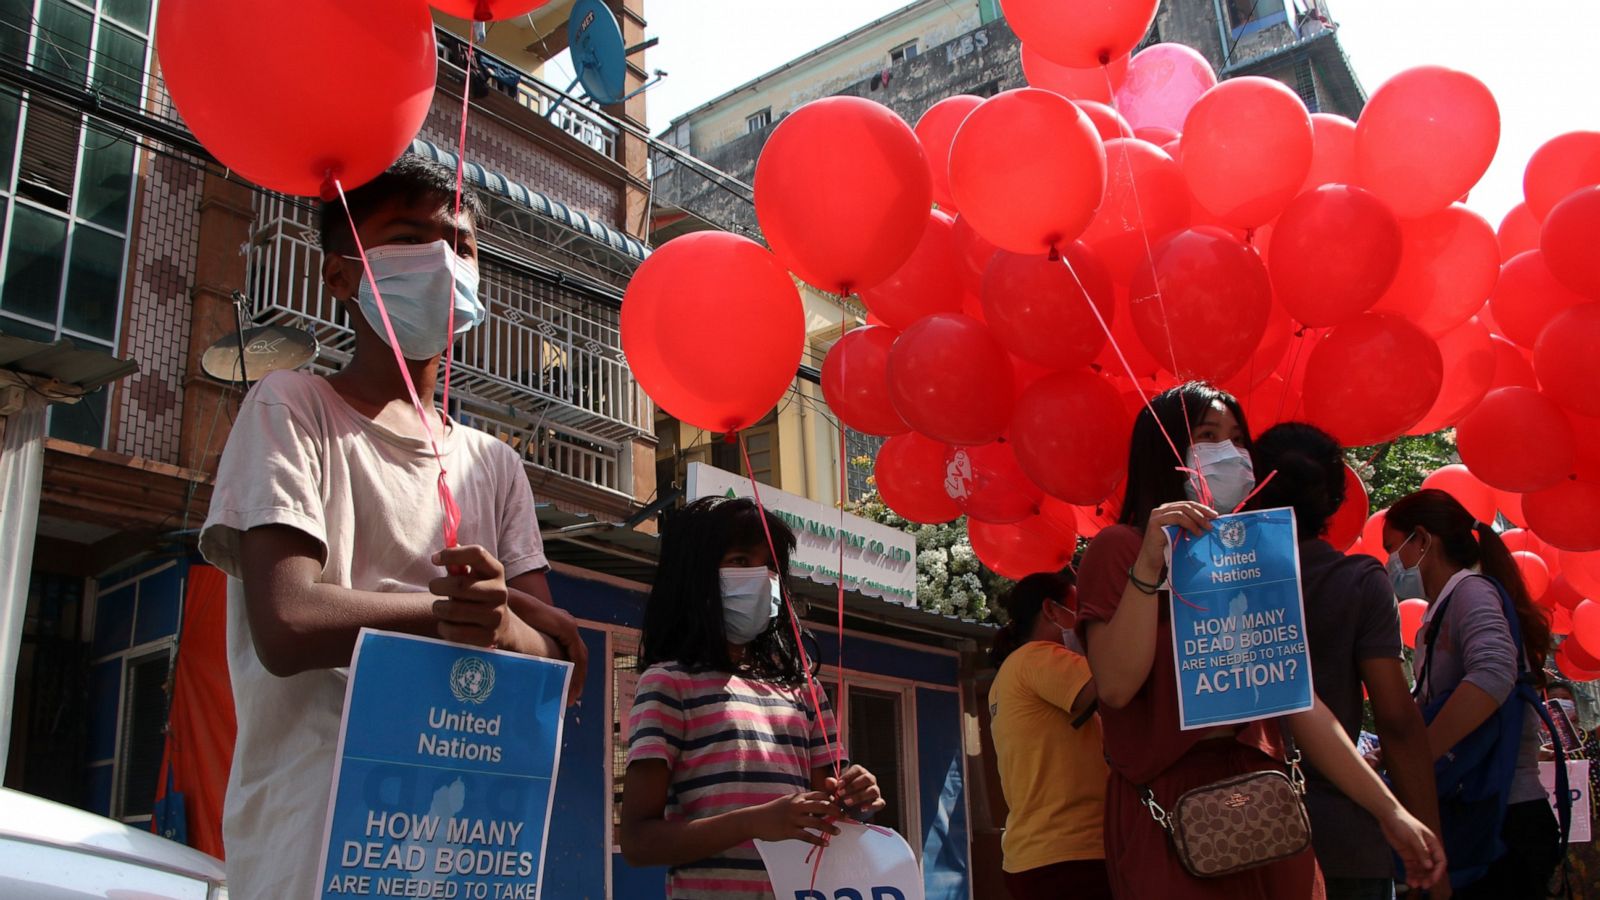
(544, 372)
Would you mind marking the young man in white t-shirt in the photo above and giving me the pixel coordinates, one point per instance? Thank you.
(327, 518)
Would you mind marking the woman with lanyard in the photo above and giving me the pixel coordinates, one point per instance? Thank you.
(1124, 620)
(1466, 652)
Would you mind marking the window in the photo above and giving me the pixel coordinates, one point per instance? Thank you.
(877, 741)
(1249, 16)
(905, 51)
(624, 684)
(862, 450)
(761, 443)
(760, 120)
(144, 721)
(1305, 83)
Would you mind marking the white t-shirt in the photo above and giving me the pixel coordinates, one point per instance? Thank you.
(302, 457)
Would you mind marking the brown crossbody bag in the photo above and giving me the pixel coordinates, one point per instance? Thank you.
(1238, 823)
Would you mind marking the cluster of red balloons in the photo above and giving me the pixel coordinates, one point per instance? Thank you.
(296, 127)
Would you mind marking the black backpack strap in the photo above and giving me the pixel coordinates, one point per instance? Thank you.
(1088, 713)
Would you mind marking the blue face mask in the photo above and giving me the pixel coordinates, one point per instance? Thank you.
(1407, 580)
(418, 283)
(750, 599)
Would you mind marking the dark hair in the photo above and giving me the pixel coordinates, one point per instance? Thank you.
(683, 616)
(411, 181)
(1023, 604)
(1466, 542)
(1153, 476)
(1308, 474)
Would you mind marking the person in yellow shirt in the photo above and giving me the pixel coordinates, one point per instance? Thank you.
(1047, 743)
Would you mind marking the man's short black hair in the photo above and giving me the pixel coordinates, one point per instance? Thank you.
(411, 180)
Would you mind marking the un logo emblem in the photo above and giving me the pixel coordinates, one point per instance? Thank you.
(471, 679)
(1231, 534)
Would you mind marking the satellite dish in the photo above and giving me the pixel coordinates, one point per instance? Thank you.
(267, 348)
(597, 51)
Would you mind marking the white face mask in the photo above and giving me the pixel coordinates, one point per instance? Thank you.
(1227, 471)
(1407, 580)
(1069, 638)
(415, 281)
(750, 600)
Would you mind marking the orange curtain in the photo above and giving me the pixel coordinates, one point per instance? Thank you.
(202, 726)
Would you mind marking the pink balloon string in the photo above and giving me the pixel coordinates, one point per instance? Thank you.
(461, 164)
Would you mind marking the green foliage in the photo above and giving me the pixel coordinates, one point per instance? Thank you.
(1397, 468)
(950, 580)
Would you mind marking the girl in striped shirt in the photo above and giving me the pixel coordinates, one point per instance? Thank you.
(724, 745)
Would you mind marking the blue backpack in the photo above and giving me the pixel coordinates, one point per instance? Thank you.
(1474, 777)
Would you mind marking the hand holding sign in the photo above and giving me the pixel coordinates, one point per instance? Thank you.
(863, 863)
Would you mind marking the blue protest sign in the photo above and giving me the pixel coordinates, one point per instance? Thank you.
(446, 771)
(1238, 620)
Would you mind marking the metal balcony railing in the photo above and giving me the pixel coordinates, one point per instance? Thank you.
(544, 371)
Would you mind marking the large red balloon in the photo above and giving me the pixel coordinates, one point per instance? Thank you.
(487, 10)
(1146, 200)
(1425, 138)
(1469, 358)
(1564, 514)
(974, 253)
(1567, 241)
(1333, 155)
(1108, 123)
(951, 380)
(1165, 81)
(1352, 389)
(1071, 436)
(1518, 232)
(283, 121)
(1335, 250)
(1535, 574)
(1411, 612)
(1074, 84)
(1521, 540)
(1039, 544)
(1246, 150)
(927, 282)
(1028, 170)
(1344, 529)
(1563, 595)
(1080, 33)
(711, 289)
(1039, 308)
(1511, 367)
(1517, 439)
(1458, 482)
(1586, 625)
(1583, 571)
(855, 381)
(989, 486)
(1449, 262)
(909, 474)
(1566, 371)
(1202, 309)
(936, 130)
(842, 193)
(1527, 297)
(1560, 166)
(1372, 535)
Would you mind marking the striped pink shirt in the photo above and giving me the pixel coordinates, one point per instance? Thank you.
(731, 742)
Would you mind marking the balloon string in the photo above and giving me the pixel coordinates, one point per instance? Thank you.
(844, 494)
(452, 513)
(461, 164)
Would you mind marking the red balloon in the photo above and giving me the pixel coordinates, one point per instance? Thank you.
(1372, 535)
(1582, 571)
(989, 486)
(1411, 612)
(1567, 240)
(909, 474)
(1158, 136)
(1269, 354)
(1351, 389)
(487, 10)
(1566, 371)
(1535, 574)
(1270, 402)
(1087, 521)
(1564, 514)
(1336, 249)
(1039, 544)
(1071, 436)
(1425, 138)
(1039, 309)
(1586, 439)
(1247, 149)
(1125, 345)
(1562, 595)
(1074, 84)
(951, 380)
(1518, 232)
(1511, 367)
(1521, 540)
(842, 193)
(1448, 265)
(855, 381)
(1202, 309)
(678, 305)
(1570, 669)
(1517, 440)
(1028, 170)
(1146, 200)
(1108, 123)
(1560, 166)
(1586, 625)
(1527, 297)
(1344, 529)
(1469, 356)
(1333, 153)
(936, 130)
(927, 282)
(1080, 33)
(305, 124)
(1458, 482)
(1164, 83)
(974, 252)
(1509, 504)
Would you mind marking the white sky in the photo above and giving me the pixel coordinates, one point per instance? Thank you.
(1541, 58)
